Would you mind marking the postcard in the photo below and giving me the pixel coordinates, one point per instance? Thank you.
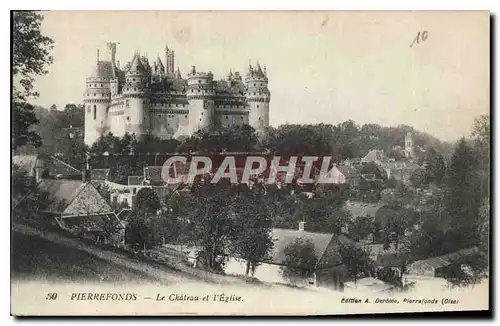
(250, 162)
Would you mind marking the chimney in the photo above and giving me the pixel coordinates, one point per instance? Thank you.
(301, 226)
(86, 175)
(39, 170)
(86, 170)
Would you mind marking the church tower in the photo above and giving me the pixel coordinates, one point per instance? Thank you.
(97, 98)
(409, 144)
(136, 97)
(258, 97)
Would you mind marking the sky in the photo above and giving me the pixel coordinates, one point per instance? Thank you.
(323, 67)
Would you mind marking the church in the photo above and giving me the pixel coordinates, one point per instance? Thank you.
(154, 99)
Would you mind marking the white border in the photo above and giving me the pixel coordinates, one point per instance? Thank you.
(183, 5)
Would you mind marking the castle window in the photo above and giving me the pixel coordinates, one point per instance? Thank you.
(202, 113)
(200, 120)
(133, 79)
(128, 118)
(94, 94)
(199, 81)
(102, 85)
(95, 112)
(192, 91)
(241, 118)
(136, 89)
(227, 117)
(254, 84)
(257, 106)
(259, 118)
(185, 116)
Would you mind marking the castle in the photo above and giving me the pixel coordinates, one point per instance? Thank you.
(144, 99)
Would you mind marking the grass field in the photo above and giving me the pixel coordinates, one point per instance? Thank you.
(37, 258)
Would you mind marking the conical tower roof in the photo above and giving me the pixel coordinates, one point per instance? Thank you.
(159, 64)
(137, 67)
(259, 72)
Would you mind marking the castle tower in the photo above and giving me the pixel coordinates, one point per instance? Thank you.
(136, 95)
(200, 94)
(409, 144)
(97, 98)
(169, 62)
(258, 97)
(112, 51)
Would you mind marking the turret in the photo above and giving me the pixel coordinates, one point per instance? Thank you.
(169, 62)
(136, 94)
(200, 94)
(97, 98)
(258, 97)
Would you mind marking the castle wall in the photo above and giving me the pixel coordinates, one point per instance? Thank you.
(168, 123)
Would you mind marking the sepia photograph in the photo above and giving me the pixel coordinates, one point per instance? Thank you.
(277, 163)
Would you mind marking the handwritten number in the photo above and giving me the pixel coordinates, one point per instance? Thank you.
(51, 296)
(421, 36)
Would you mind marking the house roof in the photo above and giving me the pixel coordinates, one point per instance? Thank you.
(59, 190)
(282, 238)
(349, 171)
(358, 209)
(74, 197)
(153, 173)
(374, 155)
(99, 174)
(400, 165)
(25, 162)
(53, 165)
(448, 259)
(135, 180)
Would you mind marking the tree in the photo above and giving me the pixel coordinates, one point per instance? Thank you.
(147, 201)
(395, 221)
(356, 260)
(464, 196)
(361, 228)
(30, 56)
(139, 234)
(23, 118)
(300, 260)
(31, 52)
(207, 208)
(165, 227)
(435, 169)
(252, 238)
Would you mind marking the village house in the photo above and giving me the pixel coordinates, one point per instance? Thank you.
(76, 206)
(328, 272)
(45, 167)
(351, 173)
(435, 266)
